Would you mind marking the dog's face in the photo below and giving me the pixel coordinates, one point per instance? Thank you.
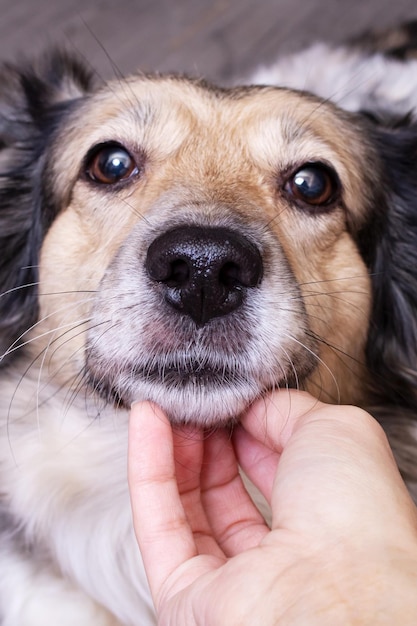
(203, 247)
(204, 244)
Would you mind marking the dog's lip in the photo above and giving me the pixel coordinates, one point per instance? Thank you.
(191, 372)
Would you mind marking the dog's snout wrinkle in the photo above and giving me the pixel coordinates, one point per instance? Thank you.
(205, 271)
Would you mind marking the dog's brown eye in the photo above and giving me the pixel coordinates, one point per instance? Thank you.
(110, 163)
(314, 184)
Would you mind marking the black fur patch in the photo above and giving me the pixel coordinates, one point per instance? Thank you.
(398, 43)
(389, 246)
(33, 101)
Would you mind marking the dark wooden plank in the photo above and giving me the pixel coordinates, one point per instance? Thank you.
(220, 39)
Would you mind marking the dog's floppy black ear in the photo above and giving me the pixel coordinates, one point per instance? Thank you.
(389, 245)
(33, 99)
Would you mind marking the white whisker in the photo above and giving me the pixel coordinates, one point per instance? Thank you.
(318, 359)
(17, 346)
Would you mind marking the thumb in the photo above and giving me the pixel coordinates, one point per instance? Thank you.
(333, 464)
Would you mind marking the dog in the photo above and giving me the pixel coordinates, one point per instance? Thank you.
(198, 246)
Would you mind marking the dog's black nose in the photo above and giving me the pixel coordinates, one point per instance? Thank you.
(205, 271)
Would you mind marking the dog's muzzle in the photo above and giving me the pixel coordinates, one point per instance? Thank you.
(200, 318)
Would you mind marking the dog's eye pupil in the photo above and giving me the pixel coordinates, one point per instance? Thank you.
(314, 184)
(110, 164)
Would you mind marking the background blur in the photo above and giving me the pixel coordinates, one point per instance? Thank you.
(219, 39)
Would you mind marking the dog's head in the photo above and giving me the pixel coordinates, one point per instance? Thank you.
(199, 246)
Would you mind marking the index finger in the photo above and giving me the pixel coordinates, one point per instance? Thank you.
(164, 535)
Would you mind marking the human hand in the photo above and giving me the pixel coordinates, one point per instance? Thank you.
(342, 548)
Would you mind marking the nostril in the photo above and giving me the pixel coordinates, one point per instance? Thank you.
(163, 268)
(230, 275)
(179, 273)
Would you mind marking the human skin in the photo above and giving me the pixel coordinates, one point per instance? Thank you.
(342, 546)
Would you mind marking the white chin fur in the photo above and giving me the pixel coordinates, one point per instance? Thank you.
(203, 406)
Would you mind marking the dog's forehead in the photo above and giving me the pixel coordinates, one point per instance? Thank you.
(174, 109)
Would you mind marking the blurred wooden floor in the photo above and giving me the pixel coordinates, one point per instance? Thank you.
(219, 39)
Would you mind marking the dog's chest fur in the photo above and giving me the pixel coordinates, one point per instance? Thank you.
(66, 476)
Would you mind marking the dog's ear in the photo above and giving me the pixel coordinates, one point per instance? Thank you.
(33, 100)
(388, 243)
